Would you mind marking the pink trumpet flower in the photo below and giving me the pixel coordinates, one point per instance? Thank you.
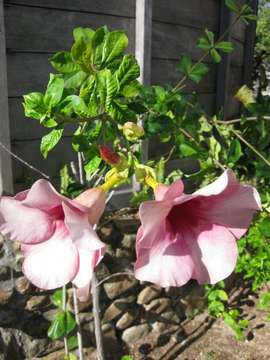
(185, 237)
(56, 234)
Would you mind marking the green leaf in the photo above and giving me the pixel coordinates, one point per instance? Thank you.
(54, 90)
(131, 90)
(49, 141)
(204, 44)
(128, 70)
(92, 164)
(48, 122)
(264, 301)
(62, 325)
(235, 151)
(215, 55)
(85, 33)
(107, 87)
(57, 298)
(62, 62)
(77, 104)
(232, 5)
(218, 295)
(211, 37)
(188, 150)
(225, 46)
(185, 64)
(72, 342)
(198, 72)
(78, 49)
(34, 106)
(95, 53)
(65, 180)
(75, 80)
(127, 357)
(70, 356)
(114, 44)
(216, 308)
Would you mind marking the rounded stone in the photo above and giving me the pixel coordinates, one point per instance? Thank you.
(135, 333)
(148, 293)
(120, 285)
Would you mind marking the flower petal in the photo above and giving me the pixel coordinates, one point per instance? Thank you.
(24, 224)
(214, 252)
(167, 263)
(229, 203)
(81, 232)
(152, 215)
(164, 192)
(94, 199)
(53, 263)
(86, 267)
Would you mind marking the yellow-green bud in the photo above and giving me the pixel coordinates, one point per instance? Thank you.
(142, 171)
(132, 131)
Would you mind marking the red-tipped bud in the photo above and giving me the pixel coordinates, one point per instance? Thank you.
(109, 156)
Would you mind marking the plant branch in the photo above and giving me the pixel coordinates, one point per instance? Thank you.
(23, 161)
(235, 121)
(204, 56)
(79, 330)
(97, 322)
(114, 275)
(240, 137)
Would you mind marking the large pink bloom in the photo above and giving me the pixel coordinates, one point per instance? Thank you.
(193, 236)
(56, 233)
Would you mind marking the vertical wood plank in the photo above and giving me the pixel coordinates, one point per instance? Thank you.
(223, 72)
(249, 46)
(6, 180)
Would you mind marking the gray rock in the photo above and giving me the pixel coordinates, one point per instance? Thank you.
(147, 294)
(23, 286)
(36, 302)
(129, 241)
(119, 285)
(117, 308)
(5, 296)
(136, 332)
(127, 319)
(159, 305)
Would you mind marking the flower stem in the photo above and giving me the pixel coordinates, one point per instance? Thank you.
(79, 330)
(151, 182)
(64, 306)
(111, 182)
(97, 322)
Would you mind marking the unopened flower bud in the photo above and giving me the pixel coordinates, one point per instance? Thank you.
(143, 171)
(245, 96)
(109, 156)
(132, 131)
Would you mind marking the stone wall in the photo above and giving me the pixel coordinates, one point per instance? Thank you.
(130, 309)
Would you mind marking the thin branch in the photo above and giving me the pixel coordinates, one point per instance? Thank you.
(204, 56)
(114, 275)
(97, 322)
(64, 307)
(235, 121)
(80, 165)
(25, 163)
(79, 330)
(240, 137)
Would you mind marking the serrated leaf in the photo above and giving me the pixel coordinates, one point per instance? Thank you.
(78, 105)
(128, 70)
(49, 141)
(78, 49)
(62, 62)
(215, 55)
(98, 44)
(115, 43)
(225, 46)
(54, 91)
(132, 89)
(198, 72)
